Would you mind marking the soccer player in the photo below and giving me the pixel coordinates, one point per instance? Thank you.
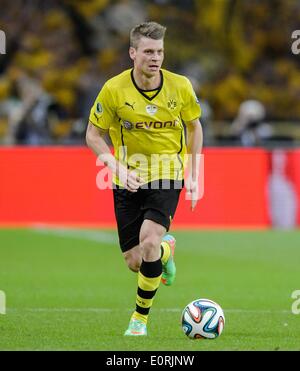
(143, 110)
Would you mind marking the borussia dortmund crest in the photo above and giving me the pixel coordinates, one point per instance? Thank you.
(172, 104)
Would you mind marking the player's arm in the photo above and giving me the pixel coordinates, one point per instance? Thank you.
(102, 117)
(95, 139)
(194, 148)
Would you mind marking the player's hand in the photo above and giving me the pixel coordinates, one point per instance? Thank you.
(130, 180)
(134, 181)
(192, 191)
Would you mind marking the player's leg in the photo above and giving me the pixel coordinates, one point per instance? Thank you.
(129, 219)
(149, 275)
(133, 258)
(161, 206)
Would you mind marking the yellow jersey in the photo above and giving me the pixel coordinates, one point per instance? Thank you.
(146, 127)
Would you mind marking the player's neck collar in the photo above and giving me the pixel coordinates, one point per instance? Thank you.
(143, 92)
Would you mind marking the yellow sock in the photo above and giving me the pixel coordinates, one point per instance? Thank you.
(149, 278)
(165, 252)
(141, 317)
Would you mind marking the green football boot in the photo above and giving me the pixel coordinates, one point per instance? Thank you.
(169, 268)
(136, 328)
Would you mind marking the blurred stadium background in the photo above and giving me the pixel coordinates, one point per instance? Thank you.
(237, 53)
(61, 52)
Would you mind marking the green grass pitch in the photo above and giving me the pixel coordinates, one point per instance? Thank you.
(70, 290)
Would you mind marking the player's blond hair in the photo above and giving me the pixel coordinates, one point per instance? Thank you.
(151, 30)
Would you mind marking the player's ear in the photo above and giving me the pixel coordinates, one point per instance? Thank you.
(132, 53)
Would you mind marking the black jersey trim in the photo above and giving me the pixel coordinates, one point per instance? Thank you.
(123, 145)
(178, 153)
(141, 91)
(181, 137)
(181, 147)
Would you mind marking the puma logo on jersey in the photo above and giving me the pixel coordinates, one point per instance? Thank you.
(130, 105)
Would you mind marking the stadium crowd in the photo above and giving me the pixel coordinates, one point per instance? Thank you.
(59, 53)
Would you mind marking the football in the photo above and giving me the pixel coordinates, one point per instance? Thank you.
(203, 319)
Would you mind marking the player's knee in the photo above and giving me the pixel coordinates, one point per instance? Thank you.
(150, 248)
(147, 243)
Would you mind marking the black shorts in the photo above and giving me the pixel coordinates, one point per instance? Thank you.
(131, 209)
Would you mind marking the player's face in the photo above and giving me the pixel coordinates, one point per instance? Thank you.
(148, 56)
